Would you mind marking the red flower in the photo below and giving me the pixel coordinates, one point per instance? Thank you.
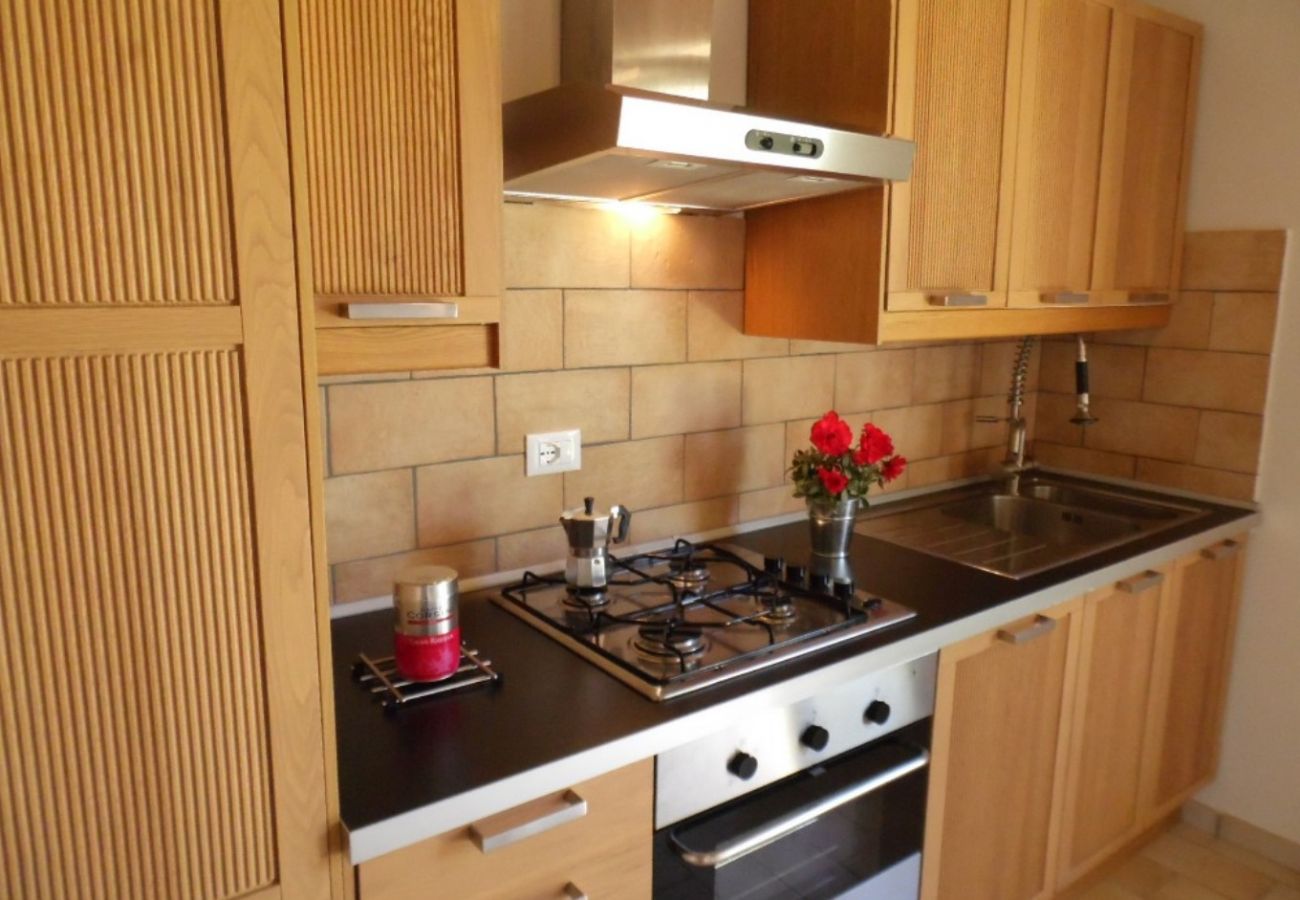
(876, 445)
(833, 481)
(832, 435)
(893, 467)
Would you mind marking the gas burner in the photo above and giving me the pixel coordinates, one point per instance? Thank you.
(777, 610)
(688, 575)
(670, 640)
(586, 599)
(673, 621)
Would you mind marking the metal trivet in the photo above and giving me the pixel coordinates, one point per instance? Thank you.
(380, 677)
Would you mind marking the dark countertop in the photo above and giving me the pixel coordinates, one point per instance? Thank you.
(552, 704)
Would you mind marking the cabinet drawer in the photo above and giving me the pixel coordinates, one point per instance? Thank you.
(595, 837)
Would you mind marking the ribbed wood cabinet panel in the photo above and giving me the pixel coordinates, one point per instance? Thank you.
(1195, 651)
(1000, 727)
(961, 60)
(380, 87)
(1144, 157)
(135, 755)
(1112, 697)
(113, 180)
(1063, 106)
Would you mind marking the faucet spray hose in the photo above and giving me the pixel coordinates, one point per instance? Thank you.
(1083, 416)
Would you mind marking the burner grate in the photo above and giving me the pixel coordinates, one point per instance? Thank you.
(380, 677)
(675, 620)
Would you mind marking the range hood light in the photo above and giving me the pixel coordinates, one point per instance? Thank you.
(637, 212)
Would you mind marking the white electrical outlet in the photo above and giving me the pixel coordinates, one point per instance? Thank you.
(553, 451)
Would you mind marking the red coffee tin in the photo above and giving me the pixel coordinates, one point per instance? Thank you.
(426, 633)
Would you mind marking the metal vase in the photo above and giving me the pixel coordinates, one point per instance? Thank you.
(832, 526)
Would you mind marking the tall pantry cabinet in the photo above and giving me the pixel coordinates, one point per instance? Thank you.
(161, 727)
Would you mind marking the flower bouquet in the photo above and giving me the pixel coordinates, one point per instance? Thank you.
(834, 477)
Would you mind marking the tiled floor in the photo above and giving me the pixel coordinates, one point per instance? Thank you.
(1187, 864)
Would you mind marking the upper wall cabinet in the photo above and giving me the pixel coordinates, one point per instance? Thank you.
(1106, 115)
(1146, 150)
(398, 108)
(1047, 195)
(957, 78)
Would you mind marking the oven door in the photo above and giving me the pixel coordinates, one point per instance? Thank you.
(848, 828)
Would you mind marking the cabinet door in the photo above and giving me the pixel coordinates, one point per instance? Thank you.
(1145, 153)
(161, 719)
(1000, 723)
(957, 76)
(1112, 696)
(1192, 656)
(1062, 108)
(401, 131)
(603, 852)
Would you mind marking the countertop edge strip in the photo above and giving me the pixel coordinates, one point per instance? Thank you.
(416, 825)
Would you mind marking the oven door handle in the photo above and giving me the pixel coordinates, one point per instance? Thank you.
(757, 838)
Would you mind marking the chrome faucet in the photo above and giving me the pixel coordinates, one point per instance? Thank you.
(1017, 432)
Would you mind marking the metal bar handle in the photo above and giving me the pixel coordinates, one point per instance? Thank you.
(1066, 298)
(505, 829)
(1139, 583)
(573, 892)
(760, 837)
(956, 300)
(1222, 550)
(1042, 625)
(411, 309)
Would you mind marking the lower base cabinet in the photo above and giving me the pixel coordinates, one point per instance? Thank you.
(593, 840)
(1107, 760)
(1197, 628)
(996, 753)
(1061, 738)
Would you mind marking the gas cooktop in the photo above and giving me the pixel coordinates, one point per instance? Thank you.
(677, 620)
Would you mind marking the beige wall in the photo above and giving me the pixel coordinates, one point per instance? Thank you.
(1245, 175)
(631, 332)
(1183, 406)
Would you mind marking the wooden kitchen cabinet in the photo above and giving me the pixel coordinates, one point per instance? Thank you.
(1051, 755)
(397, 115)
(1102, 162)
(1048, 190)
(1102, 806)
(603, 853)
(164, 732)
(957, 86)
(1146, 153)
(1002, 715)
(1189, 685)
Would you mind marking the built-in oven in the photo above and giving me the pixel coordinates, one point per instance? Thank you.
(820, 798)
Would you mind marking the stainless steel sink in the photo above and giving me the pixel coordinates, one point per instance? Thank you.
(1045, 523)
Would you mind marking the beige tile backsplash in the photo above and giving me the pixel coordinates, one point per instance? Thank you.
(632, 332)
(1183, 406)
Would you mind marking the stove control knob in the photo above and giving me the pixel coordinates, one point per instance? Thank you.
(821, 583)
(742, 765)
(844, 588)
(815, 737)
(773, 565)
(796, 574)
(877, 712)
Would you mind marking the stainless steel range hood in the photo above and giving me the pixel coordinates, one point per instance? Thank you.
(632, 122)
